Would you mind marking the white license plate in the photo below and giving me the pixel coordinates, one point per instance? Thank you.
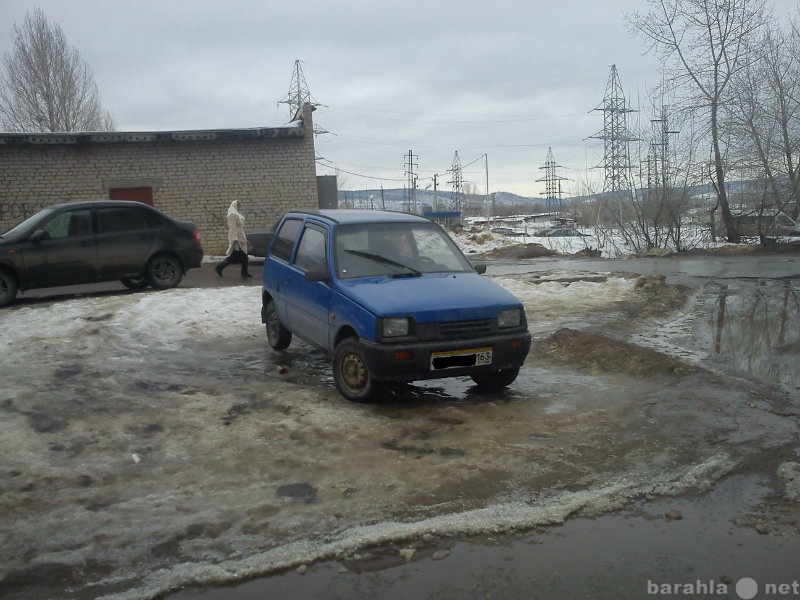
(453, 359)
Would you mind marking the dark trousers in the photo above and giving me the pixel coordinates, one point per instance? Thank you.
(237, 257)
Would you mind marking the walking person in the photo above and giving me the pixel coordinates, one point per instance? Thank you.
(237, 241)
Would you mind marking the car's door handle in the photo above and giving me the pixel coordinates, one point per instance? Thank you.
(87, 243)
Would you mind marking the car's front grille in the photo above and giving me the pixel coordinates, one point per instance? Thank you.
(455, 330)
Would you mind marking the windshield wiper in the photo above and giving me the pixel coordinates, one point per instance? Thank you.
(387, 261)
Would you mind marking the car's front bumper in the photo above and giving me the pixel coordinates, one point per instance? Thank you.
(454, 358)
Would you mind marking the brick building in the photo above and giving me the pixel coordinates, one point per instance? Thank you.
(191, 175)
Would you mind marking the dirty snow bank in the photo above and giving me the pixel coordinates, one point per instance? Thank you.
(504, 518)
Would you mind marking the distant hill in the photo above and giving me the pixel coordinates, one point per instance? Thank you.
(397, 199)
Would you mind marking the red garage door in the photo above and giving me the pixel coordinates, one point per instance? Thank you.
(139, 194)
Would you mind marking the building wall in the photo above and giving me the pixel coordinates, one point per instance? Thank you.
(191, 179)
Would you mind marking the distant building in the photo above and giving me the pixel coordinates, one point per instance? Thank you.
(767, 223)
(191, 175)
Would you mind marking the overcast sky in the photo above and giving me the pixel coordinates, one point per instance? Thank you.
(498, 81)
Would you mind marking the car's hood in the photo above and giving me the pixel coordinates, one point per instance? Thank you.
(430, 297)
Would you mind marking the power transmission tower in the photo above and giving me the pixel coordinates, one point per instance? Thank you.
(552, 183)
(616, 137)
(658, 164)
(299, 95)
(411, 200)
(457, 183)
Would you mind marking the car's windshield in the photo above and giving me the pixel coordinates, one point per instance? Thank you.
(396, 250)
(26, 225)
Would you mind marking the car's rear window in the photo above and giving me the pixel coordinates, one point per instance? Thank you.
(285, 239)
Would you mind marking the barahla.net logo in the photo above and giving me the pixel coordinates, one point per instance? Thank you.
(746, 588)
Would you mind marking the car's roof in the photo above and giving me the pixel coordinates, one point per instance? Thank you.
(346, 216)
(99, 202)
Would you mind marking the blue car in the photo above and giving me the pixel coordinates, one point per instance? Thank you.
(391, 298)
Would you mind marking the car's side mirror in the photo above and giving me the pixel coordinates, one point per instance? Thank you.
(39, 235)
(317, 274)
(480, 269)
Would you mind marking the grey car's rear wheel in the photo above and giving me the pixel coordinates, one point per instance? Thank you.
(164, 271)
(8, 288)
(350, 372)
(277, 335)
(494, 380)
(134, 283)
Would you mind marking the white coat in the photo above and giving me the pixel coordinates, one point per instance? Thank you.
(236, 233)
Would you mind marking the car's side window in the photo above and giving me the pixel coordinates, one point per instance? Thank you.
(285, 238)
(119, 219)
(311, 251)
(74, 223)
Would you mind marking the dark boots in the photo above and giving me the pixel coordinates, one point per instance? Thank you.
(241, 259)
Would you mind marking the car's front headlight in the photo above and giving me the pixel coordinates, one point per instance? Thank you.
(511, 317)
(395, 326)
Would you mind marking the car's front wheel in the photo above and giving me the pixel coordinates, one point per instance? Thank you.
(494, 380)
(8, 288)
(350, 371)
(164, 271)
(277, 335)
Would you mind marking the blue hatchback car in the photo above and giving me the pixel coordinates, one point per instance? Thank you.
(390, 297)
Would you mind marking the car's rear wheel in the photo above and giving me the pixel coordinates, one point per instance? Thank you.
(277, 335)
(134, 283)
(350, 372)
(164, 271)
(494, 380)
(8, 288)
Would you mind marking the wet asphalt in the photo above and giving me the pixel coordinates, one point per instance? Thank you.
(204, 277)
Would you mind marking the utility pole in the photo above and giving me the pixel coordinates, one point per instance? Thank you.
(659, 150)
(412, 181)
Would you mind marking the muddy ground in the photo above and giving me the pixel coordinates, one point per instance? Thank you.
(129, 470)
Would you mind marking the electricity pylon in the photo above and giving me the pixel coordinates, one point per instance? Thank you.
(552, 183)
(457, 183)
(299, 95)
(616, 137)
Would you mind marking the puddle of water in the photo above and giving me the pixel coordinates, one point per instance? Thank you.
(754, 327)
(749, 327)
(690, 542)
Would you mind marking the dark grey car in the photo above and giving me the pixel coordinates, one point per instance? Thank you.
(95, 241)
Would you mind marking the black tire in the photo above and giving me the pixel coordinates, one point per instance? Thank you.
(350, 372)
(494, 380)
(277, 335)
(8, 288)
(135, 283)
(164, 271)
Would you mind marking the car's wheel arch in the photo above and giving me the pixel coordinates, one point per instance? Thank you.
(14, 285)
(344, 332)
(11, 271)
(266, 298)
(168, 252)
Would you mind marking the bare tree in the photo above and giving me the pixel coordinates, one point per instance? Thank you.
(709, 41)
(766, 122)
(45, 85)
(783, 76)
